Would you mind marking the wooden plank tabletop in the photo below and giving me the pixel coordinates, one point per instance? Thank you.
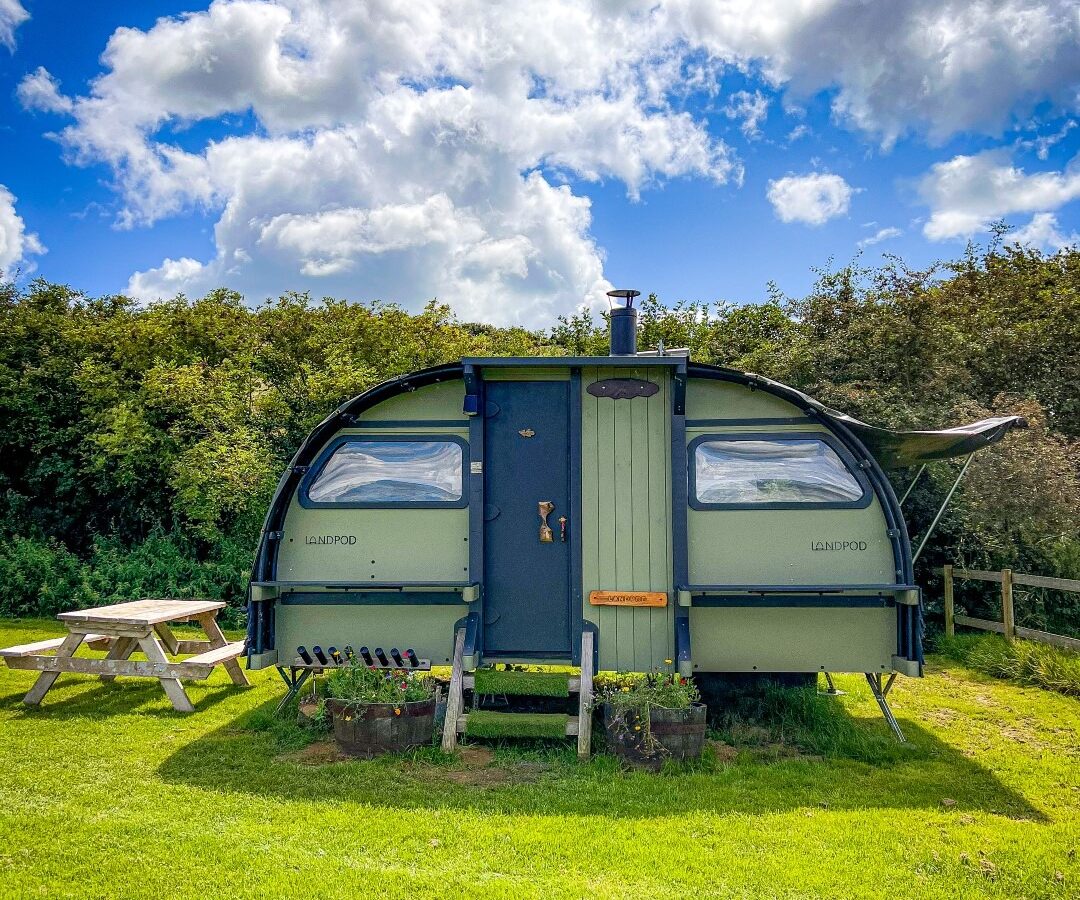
(141, 612)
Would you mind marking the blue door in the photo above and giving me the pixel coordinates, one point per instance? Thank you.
(527, 553)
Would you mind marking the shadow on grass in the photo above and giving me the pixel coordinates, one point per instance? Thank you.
(263, 762)
(68, 698)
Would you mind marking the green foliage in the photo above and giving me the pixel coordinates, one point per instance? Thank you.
(1028, 662)
(638, 693)
(126, 423)
(355, 684)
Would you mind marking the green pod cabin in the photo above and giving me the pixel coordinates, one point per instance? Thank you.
(678, 511)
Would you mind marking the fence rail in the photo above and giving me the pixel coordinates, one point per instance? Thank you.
(1006, 578)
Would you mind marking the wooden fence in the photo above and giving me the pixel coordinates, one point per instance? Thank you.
(1006, 578)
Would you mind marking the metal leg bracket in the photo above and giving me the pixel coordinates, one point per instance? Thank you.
(880, 691)
(294, 679)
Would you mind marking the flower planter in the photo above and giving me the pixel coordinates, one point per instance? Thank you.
(675, 734)
(371, 729)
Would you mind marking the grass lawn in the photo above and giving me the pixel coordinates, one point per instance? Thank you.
(105, 791)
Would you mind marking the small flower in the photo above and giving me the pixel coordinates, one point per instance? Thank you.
(626, 690)
(397, 711)
(667, 662)
(637, 728)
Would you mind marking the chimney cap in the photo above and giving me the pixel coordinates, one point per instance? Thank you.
(624, 294)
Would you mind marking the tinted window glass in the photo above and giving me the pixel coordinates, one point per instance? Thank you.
(390, 472)
(796, 471)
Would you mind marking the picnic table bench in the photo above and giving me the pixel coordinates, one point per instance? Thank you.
(122, 629)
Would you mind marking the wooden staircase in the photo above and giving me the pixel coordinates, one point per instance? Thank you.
(486, 723)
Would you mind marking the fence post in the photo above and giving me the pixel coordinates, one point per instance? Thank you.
(950, 629)
(1007, 604)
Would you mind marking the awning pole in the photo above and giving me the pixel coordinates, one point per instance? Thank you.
(918, 475)
(941, 511)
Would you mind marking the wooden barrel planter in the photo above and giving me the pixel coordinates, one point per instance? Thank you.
(371, 729)
(675, 734)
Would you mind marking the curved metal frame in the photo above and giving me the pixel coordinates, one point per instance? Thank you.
(260, 626)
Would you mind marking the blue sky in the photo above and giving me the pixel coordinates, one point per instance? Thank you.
(513, 164)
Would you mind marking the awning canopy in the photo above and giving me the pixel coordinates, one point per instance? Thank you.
(897, 449)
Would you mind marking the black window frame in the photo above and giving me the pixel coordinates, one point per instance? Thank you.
(849, 461)
(331, 448)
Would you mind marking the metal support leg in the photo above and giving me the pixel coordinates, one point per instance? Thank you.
(295, 680)
(833, 691)
(874, 680)
(888, 685)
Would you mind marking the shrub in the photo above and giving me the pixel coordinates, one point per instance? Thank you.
(40, 578)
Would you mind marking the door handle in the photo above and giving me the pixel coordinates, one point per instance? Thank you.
(546, 507)
(562, 529)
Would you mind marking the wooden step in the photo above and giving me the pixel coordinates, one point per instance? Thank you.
(506, 720)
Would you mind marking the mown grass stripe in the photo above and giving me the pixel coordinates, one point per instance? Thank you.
(487, 724)
(527, 684)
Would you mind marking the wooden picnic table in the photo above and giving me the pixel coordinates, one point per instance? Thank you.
(121, 630)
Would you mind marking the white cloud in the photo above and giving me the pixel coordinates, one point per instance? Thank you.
(967, 193)
(41, 91)
(1043, 143)
(811, 199)
(750, 108)
(407, 149)
(1042, 233)
(799, 131)
(16, 245)
(12, 15)
(882, 234)
(934, 66)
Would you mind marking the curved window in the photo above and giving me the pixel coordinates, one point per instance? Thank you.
(772, 471)
(389, 472)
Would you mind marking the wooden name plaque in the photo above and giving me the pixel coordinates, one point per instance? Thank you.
(628, 598)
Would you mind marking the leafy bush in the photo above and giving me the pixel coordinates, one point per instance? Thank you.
(40, 579)
(1028, 662)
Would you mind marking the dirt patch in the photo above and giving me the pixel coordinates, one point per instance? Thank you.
(475, 768)
(321, 753)
(941, 716)
(724, 753)
(476, 757)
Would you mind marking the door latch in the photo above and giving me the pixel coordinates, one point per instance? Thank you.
(546, 507)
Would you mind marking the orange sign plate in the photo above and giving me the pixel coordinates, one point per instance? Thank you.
(628, 598)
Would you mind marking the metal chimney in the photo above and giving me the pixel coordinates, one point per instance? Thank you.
(623, 329)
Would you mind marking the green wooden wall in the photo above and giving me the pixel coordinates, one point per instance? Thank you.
(626, 516)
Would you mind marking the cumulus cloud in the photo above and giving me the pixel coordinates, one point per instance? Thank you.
(934, 66)
(41, 91)
(16, 244)
(882, 234)
(12, 15)
(811, 199)
(967, 193)
(410, 149)
(1043, 233)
